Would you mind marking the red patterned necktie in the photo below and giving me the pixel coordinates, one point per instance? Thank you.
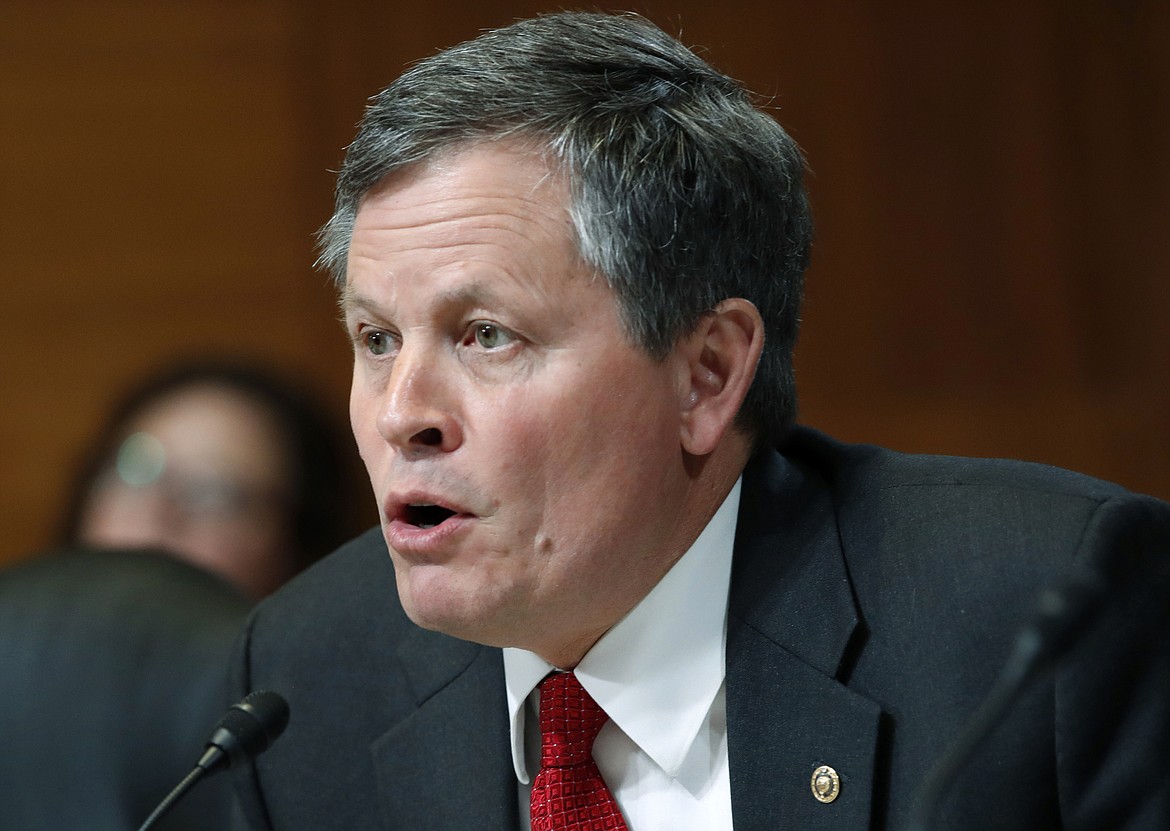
(569, 794)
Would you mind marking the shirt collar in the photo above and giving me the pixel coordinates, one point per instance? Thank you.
(658, 670)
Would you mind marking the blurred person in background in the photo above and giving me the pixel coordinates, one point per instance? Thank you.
(112, 669)
(226, 466)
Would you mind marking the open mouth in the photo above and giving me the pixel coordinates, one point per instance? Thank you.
(425, 515)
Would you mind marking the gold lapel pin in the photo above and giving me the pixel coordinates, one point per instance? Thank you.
(826, 784)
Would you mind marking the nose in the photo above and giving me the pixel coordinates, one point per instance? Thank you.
(417, 413)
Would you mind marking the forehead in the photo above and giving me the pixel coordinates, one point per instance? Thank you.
(487, 221)
(496, 193)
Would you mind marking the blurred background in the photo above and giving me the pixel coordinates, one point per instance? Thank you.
(991, 184)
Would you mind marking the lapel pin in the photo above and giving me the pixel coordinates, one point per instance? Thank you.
(826, 784)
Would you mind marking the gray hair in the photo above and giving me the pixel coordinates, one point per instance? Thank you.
(683, 193)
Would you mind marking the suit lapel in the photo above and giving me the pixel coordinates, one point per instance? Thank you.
(791, 622)
(445, 764)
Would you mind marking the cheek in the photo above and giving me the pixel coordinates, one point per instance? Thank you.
(364, 425)
(625, 412)
(589, 455)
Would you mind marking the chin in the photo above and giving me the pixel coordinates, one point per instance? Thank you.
(439, 607)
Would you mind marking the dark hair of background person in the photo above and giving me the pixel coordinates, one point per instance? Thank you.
(324, 504)
(112, 677)
(683, 193)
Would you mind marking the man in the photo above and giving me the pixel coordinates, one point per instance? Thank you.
(570, 258)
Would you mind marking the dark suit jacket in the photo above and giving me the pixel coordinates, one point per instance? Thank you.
(112, 672)
(874, 599)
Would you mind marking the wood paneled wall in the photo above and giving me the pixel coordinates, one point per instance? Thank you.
(991, 184)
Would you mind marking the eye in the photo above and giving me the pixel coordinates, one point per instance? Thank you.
(490, 335)
(376, 342)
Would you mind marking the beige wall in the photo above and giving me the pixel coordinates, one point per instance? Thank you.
(991, 184)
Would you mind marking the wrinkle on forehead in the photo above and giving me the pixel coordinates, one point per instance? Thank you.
(460, 202)
(445, 171)
(454, 232)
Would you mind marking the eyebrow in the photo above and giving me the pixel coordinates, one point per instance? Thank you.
(477, 293)
(350, 299)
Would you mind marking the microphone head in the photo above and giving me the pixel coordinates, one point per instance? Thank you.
(247, 729)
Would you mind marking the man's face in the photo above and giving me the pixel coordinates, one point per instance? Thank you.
(525, 455)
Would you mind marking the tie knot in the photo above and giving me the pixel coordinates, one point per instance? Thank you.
(569, 721)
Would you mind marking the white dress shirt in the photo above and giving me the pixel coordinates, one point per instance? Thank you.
(658, 674)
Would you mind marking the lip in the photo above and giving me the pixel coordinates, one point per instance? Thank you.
(425, 542)
(407, 538)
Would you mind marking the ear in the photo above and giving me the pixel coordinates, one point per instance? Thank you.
(720, 363)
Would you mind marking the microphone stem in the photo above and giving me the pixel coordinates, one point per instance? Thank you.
(1022, 667)
(173, 797)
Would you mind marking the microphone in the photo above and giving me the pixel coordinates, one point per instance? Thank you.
(1064, 612)
(1061, 615)
(246, 730)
